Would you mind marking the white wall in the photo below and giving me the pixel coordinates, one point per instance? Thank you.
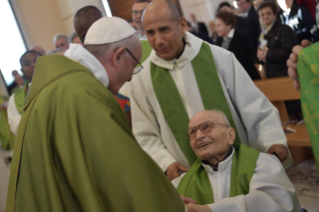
(204, 10)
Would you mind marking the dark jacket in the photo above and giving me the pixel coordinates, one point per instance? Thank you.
(300, 21)
(202, 36)
(254, 20)
(242, 48)
(280, 41)
(202, 28)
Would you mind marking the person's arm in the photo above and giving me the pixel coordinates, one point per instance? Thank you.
(145, 127)
(14, 116)
(259, 116)
(288, 40)
(269, 188)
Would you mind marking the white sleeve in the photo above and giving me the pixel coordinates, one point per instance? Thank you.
(14, 116)
(270, 190)
(176, 181)
(145, 126)
(260, 118)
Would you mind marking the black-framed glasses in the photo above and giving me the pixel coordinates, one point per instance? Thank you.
(135, 12)
(139, 66)
(205, 127)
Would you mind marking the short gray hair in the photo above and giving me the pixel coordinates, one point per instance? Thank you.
(55, 51)
(58, 36)
(73, 36)
(105, 49)
(223, 115)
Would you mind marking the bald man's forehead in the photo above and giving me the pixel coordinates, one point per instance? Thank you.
(206, 116)
(140, 6)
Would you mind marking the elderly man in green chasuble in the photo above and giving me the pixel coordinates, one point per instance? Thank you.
(232, 178)
(74, 149)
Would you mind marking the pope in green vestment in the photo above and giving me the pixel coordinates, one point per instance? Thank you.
(75, 151)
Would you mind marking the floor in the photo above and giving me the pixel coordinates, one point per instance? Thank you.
(305, 178)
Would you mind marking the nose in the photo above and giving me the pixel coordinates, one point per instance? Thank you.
(199, 135)
(158, 39)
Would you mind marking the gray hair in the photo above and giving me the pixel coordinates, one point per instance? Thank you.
(55, 51)
(73, 36)
(58, 36)
(223, 115)
(105, 49)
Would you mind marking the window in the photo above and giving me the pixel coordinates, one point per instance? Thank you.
(12, 45)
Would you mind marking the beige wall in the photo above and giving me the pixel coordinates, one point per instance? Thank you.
(40, 20)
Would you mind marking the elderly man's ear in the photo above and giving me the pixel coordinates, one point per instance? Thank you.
(231, 135)
(117, 56)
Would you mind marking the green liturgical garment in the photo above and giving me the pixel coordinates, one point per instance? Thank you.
(19, 97)
(308, 72)
(75, 150)
(195, 184)
(6, 136)
(210, 89)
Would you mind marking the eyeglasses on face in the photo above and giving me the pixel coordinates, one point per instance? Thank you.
(139, 66)
(135, 12)
(205, 127)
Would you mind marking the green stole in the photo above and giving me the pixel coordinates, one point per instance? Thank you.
(170, 101)
(308, 72)
(147, 49)
(19, 97)
(6, 136)
(195, 184)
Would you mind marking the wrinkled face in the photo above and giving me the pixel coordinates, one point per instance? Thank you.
(222, 28)
(267, 16)
(243, 5)
(28, 64)
(164, 34)
(137, 11)
(213, 143)
(126, 67)
(62, 43)
(77, 40)
(225, 8)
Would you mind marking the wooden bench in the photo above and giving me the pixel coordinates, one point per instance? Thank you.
(278, 90)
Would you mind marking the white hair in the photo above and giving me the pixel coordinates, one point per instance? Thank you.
(55, 51)
(105, 49)
(58, 36)
(223, 115)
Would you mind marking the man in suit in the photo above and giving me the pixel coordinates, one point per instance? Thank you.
(241, 23)
(198, 26)
(249, 12)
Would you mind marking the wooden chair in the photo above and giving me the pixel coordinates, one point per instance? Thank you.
(278, 90)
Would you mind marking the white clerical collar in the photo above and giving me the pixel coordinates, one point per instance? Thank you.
(79, 54)
(231, 33)
(221, 165)
(192, 47)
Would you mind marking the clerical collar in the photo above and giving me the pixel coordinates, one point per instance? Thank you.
(180, 54)
(192, 47)
(225, 162)
(79, 54)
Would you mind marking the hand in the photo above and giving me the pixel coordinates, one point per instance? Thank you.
(292, 62)
(18, 79)
(265, 54)
(262, 53)
(187, 200)
(172, 170)
(280, 150)
(197, 208)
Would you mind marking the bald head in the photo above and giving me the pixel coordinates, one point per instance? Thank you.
(39, 49)
(166, 7)
(84, 18)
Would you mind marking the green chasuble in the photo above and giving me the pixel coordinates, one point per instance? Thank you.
(196, 185)
(75, 150)
(308, 72)
(6, 136)
(19, 97)
(210, 89)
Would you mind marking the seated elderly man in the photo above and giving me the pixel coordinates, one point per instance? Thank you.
(232, 178)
